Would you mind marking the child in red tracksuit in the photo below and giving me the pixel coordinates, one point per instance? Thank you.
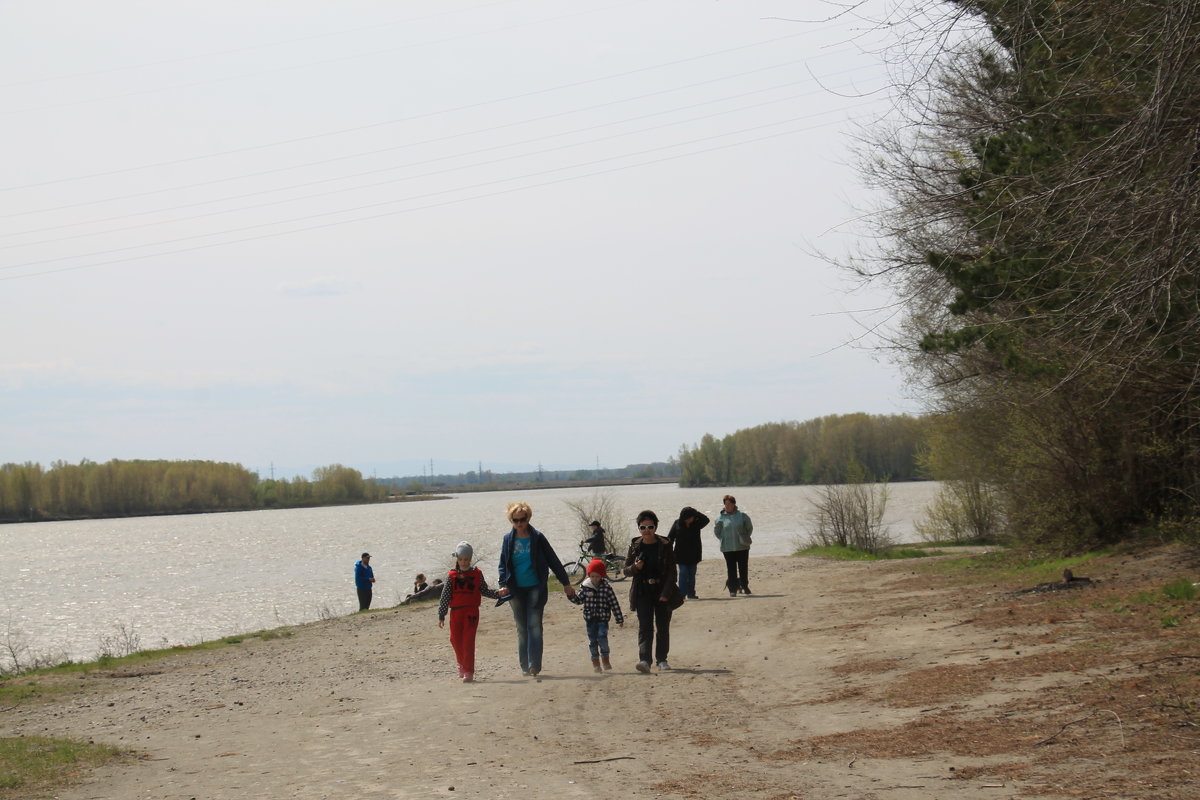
(461, 595)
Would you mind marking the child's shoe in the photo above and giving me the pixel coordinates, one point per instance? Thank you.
(468, 677)
(643, 666)
(607, 664)
(596, 665)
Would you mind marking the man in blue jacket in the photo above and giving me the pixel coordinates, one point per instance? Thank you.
(364, 576)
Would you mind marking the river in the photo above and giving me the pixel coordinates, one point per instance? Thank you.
(65, 587)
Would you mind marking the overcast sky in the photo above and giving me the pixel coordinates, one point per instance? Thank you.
(378, 233)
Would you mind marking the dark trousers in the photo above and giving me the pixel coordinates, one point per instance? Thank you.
(737, 569)
(364, 598)
(651, 613)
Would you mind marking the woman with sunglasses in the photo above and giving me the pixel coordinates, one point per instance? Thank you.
(526, 559)
(651, 564)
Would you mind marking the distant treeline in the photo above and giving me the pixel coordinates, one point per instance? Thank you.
(134, 488)
(487, 480)
(824, 450)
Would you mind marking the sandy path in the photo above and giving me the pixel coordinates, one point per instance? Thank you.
(369, 706)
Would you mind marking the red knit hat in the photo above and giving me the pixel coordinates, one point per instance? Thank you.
(597, 565)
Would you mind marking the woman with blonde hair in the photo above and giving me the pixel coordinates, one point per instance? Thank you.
(526, 560)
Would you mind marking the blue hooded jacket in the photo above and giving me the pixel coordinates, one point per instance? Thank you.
(362, 575)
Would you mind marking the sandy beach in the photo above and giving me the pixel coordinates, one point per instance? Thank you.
(833, 680)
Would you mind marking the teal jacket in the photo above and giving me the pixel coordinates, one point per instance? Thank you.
(733, 531)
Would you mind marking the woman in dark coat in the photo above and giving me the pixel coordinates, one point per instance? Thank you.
(651, 564)
(689, 552)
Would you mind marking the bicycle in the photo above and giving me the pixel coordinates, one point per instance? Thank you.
(613, 563)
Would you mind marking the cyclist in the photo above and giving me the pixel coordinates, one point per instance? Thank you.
(595, 543)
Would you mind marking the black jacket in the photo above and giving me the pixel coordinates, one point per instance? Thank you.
(665, 585)
(686, 538)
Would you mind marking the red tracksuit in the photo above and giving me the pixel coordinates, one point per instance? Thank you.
(461, 596)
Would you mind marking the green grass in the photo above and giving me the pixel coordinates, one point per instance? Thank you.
(1010, 567)
(1180, 589)
(1168, 601)
(840, 553)
(38, 684)
(19, 691)
(31, 765)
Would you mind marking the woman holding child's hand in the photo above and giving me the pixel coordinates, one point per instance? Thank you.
(526, 560)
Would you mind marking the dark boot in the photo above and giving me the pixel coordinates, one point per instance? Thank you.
(596, 665)
(746, 588)
(606, 662)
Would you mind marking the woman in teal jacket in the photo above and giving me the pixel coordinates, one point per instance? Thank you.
(733, 529)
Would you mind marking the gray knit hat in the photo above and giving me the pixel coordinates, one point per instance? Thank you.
(464, 550)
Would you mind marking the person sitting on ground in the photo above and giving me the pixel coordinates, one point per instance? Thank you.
(428, 593)
(595, 542)
(419, 582)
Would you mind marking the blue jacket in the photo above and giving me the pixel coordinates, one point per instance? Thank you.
(544, 560)
(362, 575)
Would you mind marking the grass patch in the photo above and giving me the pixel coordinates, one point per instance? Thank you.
(32, 765)
(1006, 567)
(19, 691)
(44, 683)
(1180, 589)
(1173, 596)
(844, 553)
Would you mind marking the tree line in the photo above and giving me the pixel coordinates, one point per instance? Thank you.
(830, 449)
(29, 492)
(1043, 234)
(487, 480)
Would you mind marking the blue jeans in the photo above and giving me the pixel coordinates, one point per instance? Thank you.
(687, 579)
(527, 605)
(597, 630)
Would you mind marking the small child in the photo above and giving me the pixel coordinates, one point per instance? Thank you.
(461, 595)
(597, 597)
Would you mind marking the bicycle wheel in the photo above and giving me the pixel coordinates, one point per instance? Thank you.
(616, 568)
(575, 571)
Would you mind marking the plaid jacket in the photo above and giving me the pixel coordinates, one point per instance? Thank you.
(598, 602)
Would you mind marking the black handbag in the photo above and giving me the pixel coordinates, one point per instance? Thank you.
(674, 597)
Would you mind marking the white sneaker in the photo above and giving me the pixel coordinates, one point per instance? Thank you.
(643, 666)
(662, 665)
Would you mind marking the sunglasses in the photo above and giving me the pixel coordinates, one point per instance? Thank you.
(519, 520)
(646, 527)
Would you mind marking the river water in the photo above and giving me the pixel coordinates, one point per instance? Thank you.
(65, 587)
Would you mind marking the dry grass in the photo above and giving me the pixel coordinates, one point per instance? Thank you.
(1116, 710)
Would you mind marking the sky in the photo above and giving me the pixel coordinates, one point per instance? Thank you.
(501, 233)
